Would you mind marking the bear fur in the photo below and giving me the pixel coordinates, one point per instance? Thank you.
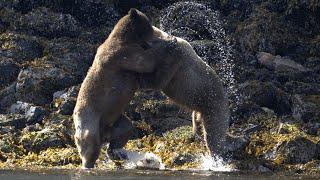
(187, 80)
(110, 84)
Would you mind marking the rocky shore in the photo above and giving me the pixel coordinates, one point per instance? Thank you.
(267, 52)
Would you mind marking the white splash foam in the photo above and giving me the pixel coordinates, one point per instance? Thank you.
(215, 163)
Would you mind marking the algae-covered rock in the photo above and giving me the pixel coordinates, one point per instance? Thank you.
(74, 56)
(19, 47)
(298, 150)
(44, 22)
(57, 132)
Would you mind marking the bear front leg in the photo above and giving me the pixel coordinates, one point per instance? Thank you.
(87, 138)
(120, 134)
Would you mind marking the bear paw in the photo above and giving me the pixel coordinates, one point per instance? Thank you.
(117, 154)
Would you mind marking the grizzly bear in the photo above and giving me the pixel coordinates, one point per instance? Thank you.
(110, 84)
(187, 80)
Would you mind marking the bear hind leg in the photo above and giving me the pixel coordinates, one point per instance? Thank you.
(197, 125)
(120, 134)
(215, 127)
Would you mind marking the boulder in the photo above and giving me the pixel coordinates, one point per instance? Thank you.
(37, 84)
(34, 114)
(279, 63)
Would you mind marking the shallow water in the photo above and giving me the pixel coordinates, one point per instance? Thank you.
(136, 174)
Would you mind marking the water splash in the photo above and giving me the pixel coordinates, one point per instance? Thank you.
(198, 24)
(214, 164)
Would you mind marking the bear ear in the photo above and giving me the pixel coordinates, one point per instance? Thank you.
(133, 12)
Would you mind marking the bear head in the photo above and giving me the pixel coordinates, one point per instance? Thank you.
(135, 27)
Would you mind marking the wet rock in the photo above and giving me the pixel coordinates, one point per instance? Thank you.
(306, 108)
(181, 159)
(298, 150)
(65, 100)
(37, 84)
(9, 71)
(34, 114)
(266, 95)
(44, 22)
(279, 63)
(236, 144)
(19, 47)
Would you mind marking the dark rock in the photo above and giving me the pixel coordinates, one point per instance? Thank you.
(306, 108)
(89, 12)
(9, 71)
(65, 100)
(19, 47)
(7, 97)
(296, 87)
(46, 23)
(298, 150)
(16, 120)
(266, 95)
(313, 63)
(37, 85)
(251, 35)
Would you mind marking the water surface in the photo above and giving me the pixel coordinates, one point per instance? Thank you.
(137, 174)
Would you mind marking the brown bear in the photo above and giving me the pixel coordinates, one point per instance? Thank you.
(110, 84)
(187, 80)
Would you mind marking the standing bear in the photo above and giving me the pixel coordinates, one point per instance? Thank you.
(187, 80)
(110, 85)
